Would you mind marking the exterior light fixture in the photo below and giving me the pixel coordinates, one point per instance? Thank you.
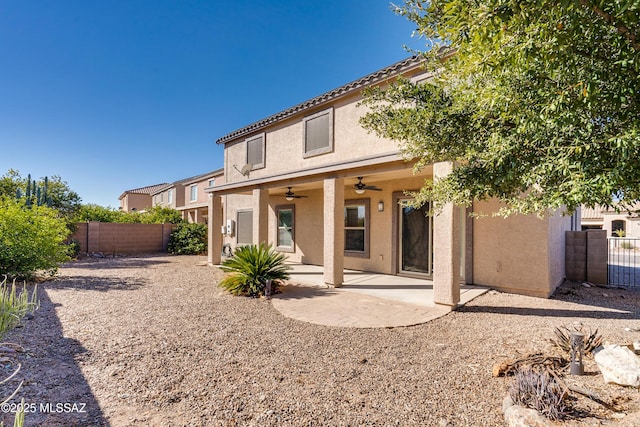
(359, 190)
(289, 198)
(380, 206)
(577, 351)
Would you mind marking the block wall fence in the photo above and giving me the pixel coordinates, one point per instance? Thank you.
(115, 238)
(586, 256)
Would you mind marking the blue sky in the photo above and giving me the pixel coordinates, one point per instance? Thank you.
(119, 94)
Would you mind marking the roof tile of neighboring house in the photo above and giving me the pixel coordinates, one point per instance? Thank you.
(598, 211)
(359, 84)
(591, 213)
(150, 189)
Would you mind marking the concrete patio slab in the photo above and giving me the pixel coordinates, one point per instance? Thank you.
(366, 300)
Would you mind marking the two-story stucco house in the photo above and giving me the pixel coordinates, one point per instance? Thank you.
(138, 199)
(313, 183)
(196, 200)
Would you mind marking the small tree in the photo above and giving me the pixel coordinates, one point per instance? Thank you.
(31, 239)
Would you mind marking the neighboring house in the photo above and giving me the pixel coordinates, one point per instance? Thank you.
(138, 199)
(623, 223)
(196, 200)
(169, 196)
(313, 183)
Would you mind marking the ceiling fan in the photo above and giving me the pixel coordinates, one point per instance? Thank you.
(290, 196)
(360, 186)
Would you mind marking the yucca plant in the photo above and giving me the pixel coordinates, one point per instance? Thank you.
(250, 267)
(14, 305)
(592, 340)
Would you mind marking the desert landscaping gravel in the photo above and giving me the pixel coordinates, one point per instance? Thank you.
(152, 341)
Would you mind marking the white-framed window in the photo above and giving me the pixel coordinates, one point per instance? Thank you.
(318, 133)
(255, 151)
(286, 227)
(244, 227)
(212, 182)
(193, 193)
(170, 196)
(356, 227)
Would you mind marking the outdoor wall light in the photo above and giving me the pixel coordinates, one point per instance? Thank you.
(380, 206)
(577, 351)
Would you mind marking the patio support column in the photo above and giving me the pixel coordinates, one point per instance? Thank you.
(334, 231)
(446, 247)
(260, 216)
(214, 219)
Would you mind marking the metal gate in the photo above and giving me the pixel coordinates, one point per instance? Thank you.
(624, 261)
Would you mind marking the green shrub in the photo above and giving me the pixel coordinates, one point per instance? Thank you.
(73, 248)
(250, 267)
(31, 239)
(188, 239)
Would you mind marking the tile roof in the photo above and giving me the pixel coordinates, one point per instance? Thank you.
(150, 189)
(359, 84)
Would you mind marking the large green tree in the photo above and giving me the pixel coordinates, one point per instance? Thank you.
(59, 195)
(536, 102)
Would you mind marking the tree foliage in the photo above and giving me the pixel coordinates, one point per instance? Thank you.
(155, 215)
(58, 193)
(188, 239)
(31, 239)
(537, 102)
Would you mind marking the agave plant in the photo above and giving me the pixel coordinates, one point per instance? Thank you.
(250, 267)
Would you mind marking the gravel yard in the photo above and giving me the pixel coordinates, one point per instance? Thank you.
(151, 341)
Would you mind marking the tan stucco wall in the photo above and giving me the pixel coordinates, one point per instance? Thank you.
(177, 197)
(133, 201)
(632, 225)
(520, 254)
(285, 141)
(309, 224)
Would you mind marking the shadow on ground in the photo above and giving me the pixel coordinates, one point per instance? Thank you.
(607, 302)
(109, 262)
(93, 283)
(55, 391)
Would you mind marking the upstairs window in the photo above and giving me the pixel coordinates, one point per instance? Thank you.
(170, 196)
(212, 182)
(194, 193)
(318, 133)
(255, 151)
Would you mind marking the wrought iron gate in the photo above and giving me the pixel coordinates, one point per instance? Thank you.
(624, 261)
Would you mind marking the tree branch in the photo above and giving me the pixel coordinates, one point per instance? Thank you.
(621, 28)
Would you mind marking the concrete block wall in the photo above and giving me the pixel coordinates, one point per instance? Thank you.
(576, 256)
(115, 238)
(586, 256)
(597, 251)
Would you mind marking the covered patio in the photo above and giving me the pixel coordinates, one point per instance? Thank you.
(365, 300)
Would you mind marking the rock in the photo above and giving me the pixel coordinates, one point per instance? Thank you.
(519, 416)
(636, 347)
(618, 365)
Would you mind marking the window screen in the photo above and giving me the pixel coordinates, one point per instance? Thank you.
(318, 133)
(244, 227)
(255, 151)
